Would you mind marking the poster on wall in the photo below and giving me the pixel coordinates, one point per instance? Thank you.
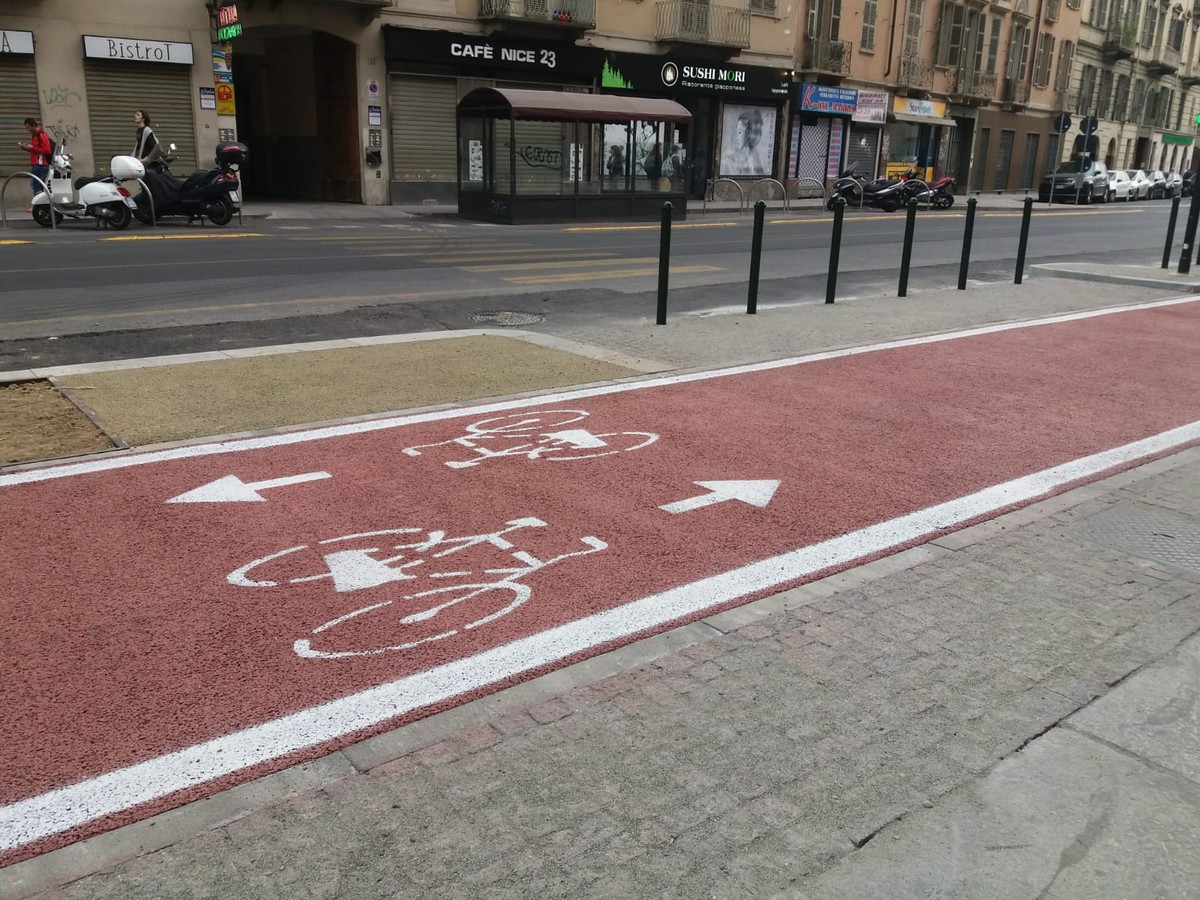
(747, 140)
(632, 145)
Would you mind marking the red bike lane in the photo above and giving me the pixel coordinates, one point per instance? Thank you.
(179, 621)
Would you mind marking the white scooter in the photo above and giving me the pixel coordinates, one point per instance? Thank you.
(103, 199)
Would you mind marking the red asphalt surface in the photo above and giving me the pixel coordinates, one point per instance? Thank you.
(123, 638)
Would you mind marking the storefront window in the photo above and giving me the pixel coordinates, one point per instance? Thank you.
(904, 143)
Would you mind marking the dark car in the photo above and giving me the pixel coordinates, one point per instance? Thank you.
(1158, 184)
(1083, 179)
(1189, 178)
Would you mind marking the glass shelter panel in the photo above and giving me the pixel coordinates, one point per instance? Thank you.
(470, 153)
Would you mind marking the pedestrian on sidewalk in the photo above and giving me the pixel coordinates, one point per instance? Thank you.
(146, 146)
(38, 147)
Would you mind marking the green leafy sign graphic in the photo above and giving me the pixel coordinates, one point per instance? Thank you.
(611, 78)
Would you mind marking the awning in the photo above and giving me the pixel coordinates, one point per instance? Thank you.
(922, 120)
(569, 106)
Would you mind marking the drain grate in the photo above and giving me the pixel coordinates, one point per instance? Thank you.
(1148, 532)
(507, 318)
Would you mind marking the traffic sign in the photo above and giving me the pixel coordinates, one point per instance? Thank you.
(1088, 124)
(1062, 123)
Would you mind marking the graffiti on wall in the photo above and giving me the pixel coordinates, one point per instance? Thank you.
(61, 95)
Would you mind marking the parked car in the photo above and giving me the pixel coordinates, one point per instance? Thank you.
(1158, 184)
(1140, 184)
(1119, 186)
(1082, 178)
(1189, 178)
(1174, 184)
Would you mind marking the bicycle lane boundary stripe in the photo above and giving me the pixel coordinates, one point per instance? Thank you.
(235, 445)
(60, 810)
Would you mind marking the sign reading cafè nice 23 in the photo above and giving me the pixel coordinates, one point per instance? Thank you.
(136, 50)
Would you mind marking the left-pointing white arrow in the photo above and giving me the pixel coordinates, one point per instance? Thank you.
(756, 493)
(232, 489)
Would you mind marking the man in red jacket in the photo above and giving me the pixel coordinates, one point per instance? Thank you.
(39, 154)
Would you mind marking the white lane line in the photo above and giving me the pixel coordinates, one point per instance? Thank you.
(56, 811)
(318, 434)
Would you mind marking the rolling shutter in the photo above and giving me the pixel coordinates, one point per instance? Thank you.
(115, 90)
(18, 101)
(862, 150)
(423, 128)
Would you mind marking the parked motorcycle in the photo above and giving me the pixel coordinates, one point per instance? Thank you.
(889, 194)
(940, 194)
(211, 193)
(102, 199)
(849, 187)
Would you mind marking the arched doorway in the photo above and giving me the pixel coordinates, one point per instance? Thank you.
(1110, 155)
(297, 112)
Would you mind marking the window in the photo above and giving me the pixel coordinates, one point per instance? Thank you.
(835, 19)
(1073, 4)
(1149, 25)
(1018, 52)
(1139, 100)
(814, 16)
(1105, 97)
(870, 11)
(765, 7)
(1175, 34)
(914, 19)
(1041, 59)
(994, 44)
(1087, 89)
(1062, 75)
(1122, 98)
(1099, 13)
(950, 43)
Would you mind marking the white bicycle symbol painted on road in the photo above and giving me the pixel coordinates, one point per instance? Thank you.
(537, 435)
(482, 599)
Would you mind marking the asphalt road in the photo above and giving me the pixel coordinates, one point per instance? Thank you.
(432, 274)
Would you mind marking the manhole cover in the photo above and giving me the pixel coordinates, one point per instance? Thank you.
(1147, 531)
(506, 318)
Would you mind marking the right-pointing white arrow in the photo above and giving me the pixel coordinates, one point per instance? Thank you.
(756, 493)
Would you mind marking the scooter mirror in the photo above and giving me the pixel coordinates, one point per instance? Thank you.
(172, 148)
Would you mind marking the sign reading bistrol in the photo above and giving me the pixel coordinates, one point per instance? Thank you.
(137, 50)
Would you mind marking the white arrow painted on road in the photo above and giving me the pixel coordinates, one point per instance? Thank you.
(579, 438)
(756, 493)
(232, 489)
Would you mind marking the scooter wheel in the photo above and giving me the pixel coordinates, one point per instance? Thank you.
(944, 202)
(220, 212)
(889, 206)
(41, 215)
(829, 203)
(121, 216)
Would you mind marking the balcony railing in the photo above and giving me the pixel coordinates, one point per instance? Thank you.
(1119, 41)
(827, 56)
(969, 83)
(690, 22)
(579, 14)
(1014, 92)
(1052, 9)
(1163, 61)
(915, 73)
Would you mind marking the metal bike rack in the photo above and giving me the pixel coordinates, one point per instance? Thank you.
(45, 188)
(712, 185)
(782, 191)
(815, 181)
(150, 197)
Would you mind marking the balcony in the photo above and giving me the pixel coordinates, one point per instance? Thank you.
(914, 75)
(1191, 78)
(973, 86)
(577, 15)
(1052, 9)
(1014, 93)
(827, 58)
(1163, 61)
(691, 22)
(1119, 41)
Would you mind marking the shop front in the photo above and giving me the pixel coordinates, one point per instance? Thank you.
(737, 114)
(18, 97)
(817, 136)
(430, 71)
(918, 135)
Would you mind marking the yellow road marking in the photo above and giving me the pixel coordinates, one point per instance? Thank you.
(10, 243)
(399, 239)
(182, 237)
(566, 264)
(593, 276)
(651, 227)
(1074, 212)
(476, 258)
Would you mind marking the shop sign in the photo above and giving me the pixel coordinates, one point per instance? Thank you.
(821, 98)
(229, 25)
(653, 75)
(16, 41)
(872, 107)
(496, 51)
(1182, 139)
(136, 50)
(226, 106)
(221, 60)
(910, 106)
(208, 98)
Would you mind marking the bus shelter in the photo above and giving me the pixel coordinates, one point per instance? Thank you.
(548, 156)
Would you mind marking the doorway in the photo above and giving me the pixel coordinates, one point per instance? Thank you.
(297, 112)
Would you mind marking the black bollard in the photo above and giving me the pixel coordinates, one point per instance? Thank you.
(1166, 263)
(760, 209)
(664, 263)
(966, 251)
(910, 225)
(1189, 234)
(835, 247)
(1024, 241)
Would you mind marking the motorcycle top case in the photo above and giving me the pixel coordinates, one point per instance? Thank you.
(232, 154)
(126, 167)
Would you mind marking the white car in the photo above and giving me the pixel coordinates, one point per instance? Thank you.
(1139, 184)
(1119, 185)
